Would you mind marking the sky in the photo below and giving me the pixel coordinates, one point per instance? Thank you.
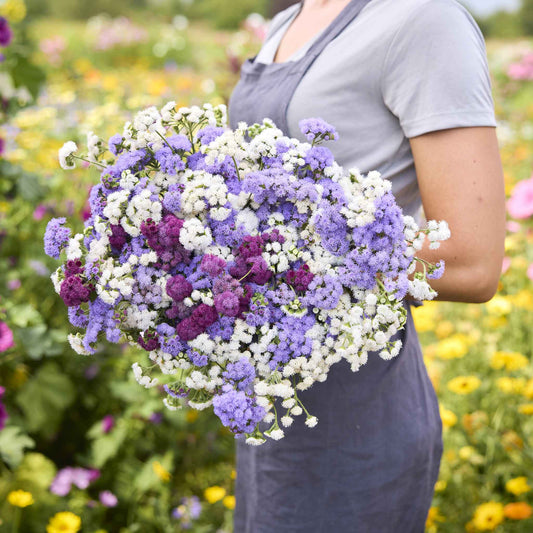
(486, 7)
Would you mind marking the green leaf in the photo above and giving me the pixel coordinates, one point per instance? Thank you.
(147, 478)
(36, 469)
(12, 444)
(108, 445)
(29, 187)
(44, 398)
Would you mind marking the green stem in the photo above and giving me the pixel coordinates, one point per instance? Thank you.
(164, 139)
(88, 161)
(236, 168)
(16, 520)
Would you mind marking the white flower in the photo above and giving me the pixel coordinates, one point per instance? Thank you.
(311, 421)
(76, 343)
(65, 155)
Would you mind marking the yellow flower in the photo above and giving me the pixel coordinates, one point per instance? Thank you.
(64, 522)
(214, 494)
(528, 389)
(425, 317)
(191, 415)
(510, 360)
(13, 10)
(233, 473)
(433, 517)
(511, 385)
(499, 306)
(162, 473)
(523, 299)
(517, 485)
(440, 485)
(466, 452)
(229, 501)
(488, 516)
(511, 440)
(444, 329)
(20, 498)
(448, 417)
(453, 347)
(464, 384)
(526, 408)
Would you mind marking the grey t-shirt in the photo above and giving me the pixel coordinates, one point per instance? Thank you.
(400, 69)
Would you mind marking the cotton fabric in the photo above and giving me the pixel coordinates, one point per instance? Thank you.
(397, 69)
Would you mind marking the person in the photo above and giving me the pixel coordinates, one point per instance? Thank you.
(406, 85)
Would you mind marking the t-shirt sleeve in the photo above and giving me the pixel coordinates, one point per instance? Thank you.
(435, 75)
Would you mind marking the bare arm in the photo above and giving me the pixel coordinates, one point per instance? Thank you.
(461, 181)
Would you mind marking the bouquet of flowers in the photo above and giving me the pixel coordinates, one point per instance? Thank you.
(244, 262)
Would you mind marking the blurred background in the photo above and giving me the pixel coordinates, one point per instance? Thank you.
(82, 446)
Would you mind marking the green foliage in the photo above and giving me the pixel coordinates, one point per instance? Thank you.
(44, 399)
(223, 15)
(13, 442)
(526, 16)
(502, 24)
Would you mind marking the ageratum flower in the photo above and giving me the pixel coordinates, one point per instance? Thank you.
(244, 262)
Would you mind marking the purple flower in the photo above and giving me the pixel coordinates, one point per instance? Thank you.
(6, 35)
(205, 315)
(39, 212)
(115, 144)
(118, 237)
(227, 303)
(74, 292)
(188, 329)
(66, 477)
(108, 423)
(437, 272)
(212, 264)
(55, 237)
(149, 340)
(209, 134)
(108, 499)
(316, 128)
(299, 279)
(6, 337)
(178, 288)
(237, 411)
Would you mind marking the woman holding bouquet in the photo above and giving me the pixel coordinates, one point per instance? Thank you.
(406, 84)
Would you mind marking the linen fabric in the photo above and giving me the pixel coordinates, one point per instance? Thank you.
(381, 74)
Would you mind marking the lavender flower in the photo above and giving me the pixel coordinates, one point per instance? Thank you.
(56, 237)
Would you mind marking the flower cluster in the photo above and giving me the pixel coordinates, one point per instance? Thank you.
(244, 262)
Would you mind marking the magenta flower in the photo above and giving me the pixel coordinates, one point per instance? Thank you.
(520, 205)
(530, 271)
(39, 212)
(6, 35)
(108, 423)
(66, 477)
(3, 411)
(6, 337)
(108, 499)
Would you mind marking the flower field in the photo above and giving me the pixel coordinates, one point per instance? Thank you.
(82, 447)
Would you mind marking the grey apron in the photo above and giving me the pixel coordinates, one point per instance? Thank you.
(371, 463)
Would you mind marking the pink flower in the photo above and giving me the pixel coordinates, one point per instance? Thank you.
(108, 499)
(14, 284)
(506, 263)
(520, 205)
(513, 226)
(66, 477)
(530, 271)
(108, 423)
(6, 337)
(39, 212)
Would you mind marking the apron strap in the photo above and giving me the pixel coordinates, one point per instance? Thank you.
(348, 13)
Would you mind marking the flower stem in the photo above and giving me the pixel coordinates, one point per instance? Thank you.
(88, 161)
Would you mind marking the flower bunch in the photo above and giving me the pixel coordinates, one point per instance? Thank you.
(244, 262)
